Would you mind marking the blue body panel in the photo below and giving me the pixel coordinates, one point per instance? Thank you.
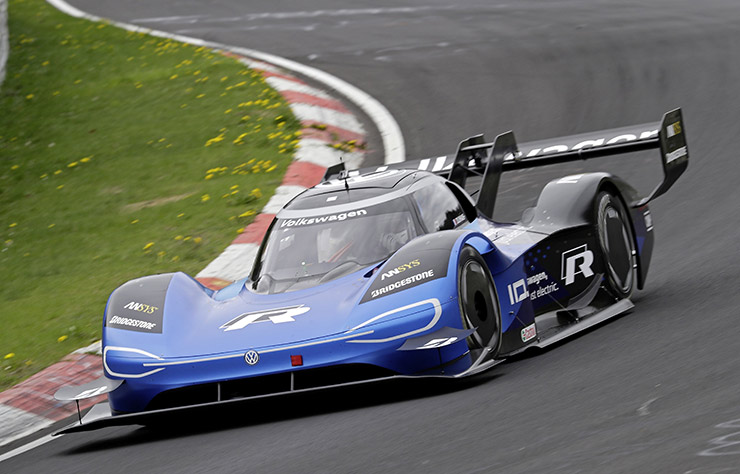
(330, 327)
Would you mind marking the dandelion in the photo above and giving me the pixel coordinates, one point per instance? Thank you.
(209, 176)
(178, 237)
(86, 159)
(205, 198)
(62, 338)
(51, 226)
(9, 355)
(186, 238)
(175, 258)
(135, 221)
(13, 225)
(197, 240)
(180, 215)
(256, 193)
(234, 187)
(240, 230)
(29, 96)
(78, 81)
(174, 76)
(148, 246)
(215, 139)
(45, 63)
(56, 93)
(72, 165)
(60, 186)
(247, 213)
(161, 253)
(227, 111)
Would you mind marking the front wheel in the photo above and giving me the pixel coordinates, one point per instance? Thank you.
(617, 244)
(479, 306)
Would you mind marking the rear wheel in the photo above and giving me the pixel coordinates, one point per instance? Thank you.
(617, 244)
(478, 302)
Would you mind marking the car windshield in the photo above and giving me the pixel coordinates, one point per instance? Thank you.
(306, 248)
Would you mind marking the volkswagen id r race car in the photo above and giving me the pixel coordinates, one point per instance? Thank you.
(398, 271)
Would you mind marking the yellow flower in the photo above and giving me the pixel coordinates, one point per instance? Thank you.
(197, 240)
(60, 186)
(209, 176)
(240, 230)
(72, 165)
(178, 237)
(256, 193)
(174, 76)
(13, 224)
(247, 213)
(180, 215)
(234, 187)
(29, 96)
(86, 159)
(161, 253)
(175, 258)
(148, 246)
(205, 198)
(215, 139)
(56, 93)
(199, 96)
(45, 63)
(51, 225)
(135, 221)
(9, 355)
(62, 338)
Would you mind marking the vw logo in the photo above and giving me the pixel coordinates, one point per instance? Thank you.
(251, 357)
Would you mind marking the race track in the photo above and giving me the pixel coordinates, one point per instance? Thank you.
(657, 390)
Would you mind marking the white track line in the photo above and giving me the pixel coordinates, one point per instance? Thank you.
(390, 132)
(26, 447)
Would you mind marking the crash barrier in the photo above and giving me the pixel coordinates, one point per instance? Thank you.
(3, 38)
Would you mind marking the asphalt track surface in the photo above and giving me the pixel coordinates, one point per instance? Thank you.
(657, 390)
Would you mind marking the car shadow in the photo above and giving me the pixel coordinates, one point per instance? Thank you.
(200, 420)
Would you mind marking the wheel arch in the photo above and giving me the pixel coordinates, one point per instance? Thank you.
(569, 202)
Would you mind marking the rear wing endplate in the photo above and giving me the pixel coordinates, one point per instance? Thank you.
(487, 160)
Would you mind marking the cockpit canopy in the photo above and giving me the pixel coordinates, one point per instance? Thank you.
(322, 236)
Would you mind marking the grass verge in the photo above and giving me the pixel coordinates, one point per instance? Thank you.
(120, 155)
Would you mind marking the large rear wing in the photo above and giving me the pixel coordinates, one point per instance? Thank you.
(487, 160)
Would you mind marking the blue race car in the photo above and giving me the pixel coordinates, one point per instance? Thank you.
(392, 272)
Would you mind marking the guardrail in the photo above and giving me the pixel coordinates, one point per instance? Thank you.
(4, 48)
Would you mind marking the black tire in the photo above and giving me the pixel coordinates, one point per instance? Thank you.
(617, 244)
(479, 306)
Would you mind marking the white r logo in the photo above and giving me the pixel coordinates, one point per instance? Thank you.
(579, 257)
